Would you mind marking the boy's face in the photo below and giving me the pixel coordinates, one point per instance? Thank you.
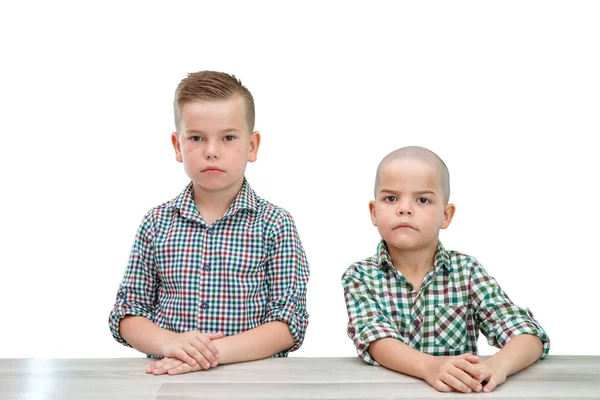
(409, 208)
(214, 143)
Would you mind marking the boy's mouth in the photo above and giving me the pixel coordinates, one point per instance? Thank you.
(212, 170)
(404, 225)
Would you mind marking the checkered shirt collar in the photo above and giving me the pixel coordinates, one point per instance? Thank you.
(384, 260)
(246, 199)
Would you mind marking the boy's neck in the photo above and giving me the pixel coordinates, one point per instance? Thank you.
(213, 205)
(413, 262)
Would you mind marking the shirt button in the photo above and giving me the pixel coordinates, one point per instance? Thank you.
(210, 231)
(294, 299)
(121, 294)
(206, 267)
(417, 322)
(204, 306)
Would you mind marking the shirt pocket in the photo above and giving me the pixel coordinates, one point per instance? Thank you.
(450, 325)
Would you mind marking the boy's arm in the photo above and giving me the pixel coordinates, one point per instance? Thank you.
(367, 322)
(130, 321)
(498, 317)
(378, 341)
(254, 344)
(138, 289)
(514, 330)
(287, 274)
(520, 352)
(192, 347)
(442, 373)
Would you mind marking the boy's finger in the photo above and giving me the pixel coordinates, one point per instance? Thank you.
(198, 357)
(467, 379)
(455, 383)
(471, 369)
(206, 341)
(182, 369)
(214, 335)
(441, 386)
(184, 357)
(491, 385)
(206, 347)
(158, 371)
(470, 358)
(172, 363)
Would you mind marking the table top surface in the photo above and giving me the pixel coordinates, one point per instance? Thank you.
(557, 377)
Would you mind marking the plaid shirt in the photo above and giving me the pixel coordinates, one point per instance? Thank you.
(456, 300)
(246, 269)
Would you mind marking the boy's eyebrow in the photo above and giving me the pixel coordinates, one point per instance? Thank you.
(197, 131)
(419, 192)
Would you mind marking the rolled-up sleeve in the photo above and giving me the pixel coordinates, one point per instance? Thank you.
(498, 318)
(287, 277)
(367, 322)
(137, 292)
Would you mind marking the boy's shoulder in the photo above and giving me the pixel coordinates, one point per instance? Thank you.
(247, 202)
(379, 265)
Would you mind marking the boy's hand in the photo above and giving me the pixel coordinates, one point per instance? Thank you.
(193, 348)
(493, 373)
(446, 374)
(166, 366)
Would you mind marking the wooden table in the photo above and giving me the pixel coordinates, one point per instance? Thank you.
(558, 377)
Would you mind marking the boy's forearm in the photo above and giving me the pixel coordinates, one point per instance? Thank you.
(397, 356)
(519, 352)
(144, 335)
(254, 344)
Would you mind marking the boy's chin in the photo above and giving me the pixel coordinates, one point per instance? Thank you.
(405, 246)
(216, 185)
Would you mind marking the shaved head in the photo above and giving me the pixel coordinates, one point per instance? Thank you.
(419, 154)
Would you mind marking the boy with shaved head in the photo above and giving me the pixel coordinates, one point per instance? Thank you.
(417, 308)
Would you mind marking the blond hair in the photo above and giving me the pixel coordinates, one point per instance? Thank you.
(211, 86)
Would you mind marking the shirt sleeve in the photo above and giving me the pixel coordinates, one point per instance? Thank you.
(498, 318)
(137, 292)
(287, 276)
(367, 321)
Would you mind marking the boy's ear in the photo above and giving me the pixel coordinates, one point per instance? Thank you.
(176, 146)
(372, 211)
(254, 145)
(449, 210)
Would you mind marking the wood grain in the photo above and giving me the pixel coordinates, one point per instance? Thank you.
(558, 377)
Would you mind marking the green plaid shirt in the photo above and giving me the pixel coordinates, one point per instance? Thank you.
(457, 299)
(246, 269)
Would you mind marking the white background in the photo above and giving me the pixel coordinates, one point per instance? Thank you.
(507, 93)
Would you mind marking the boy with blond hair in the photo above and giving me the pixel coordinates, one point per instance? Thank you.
(417, 308)
(217, 275)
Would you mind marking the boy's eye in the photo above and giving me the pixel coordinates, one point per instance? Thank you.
(229, 138)
(195, 138)
(423, 200)
(390, 199)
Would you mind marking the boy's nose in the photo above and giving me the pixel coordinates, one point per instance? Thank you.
(404, 209)
(211, 151)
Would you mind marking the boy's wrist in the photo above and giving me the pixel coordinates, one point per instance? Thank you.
(497, 364)
(164, 340)
(425, 365)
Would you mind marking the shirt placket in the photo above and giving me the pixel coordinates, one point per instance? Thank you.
(204, 296)
(417, 311)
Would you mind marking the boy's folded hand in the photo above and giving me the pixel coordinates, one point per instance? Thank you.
(493, 373)
(166, 365)
(446, 374)
(193, 348)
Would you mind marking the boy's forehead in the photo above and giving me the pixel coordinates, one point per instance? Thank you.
(226, 111)
(416, 173)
